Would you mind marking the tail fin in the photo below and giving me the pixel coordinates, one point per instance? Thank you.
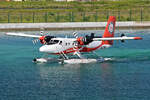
(109, 30)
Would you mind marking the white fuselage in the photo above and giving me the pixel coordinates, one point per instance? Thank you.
(68, 45)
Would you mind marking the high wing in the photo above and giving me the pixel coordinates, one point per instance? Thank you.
(23, 35)
(117, 38)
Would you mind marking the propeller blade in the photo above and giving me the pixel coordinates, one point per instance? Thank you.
(75, 34)
(42, 33)
(35, 41)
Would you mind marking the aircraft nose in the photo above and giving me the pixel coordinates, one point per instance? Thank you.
(41, 49)
(46, 49)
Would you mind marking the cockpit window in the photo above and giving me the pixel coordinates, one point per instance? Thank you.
(53, 42)
(60, 42)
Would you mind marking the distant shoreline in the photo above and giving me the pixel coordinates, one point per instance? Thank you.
(70, 26)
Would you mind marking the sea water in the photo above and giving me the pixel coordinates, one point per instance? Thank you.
(126, 77)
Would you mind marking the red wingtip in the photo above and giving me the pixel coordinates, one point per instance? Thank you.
(137, 38)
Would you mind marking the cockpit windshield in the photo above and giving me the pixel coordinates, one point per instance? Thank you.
(53, 42)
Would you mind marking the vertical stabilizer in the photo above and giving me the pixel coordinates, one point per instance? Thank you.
(109, 30)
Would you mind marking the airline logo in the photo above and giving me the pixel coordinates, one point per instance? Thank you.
(111, 27)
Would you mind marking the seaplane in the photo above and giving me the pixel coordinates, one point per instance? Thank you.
(63, 47)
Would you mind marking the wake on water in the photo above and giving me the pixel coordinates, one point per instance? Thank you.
(132, 55)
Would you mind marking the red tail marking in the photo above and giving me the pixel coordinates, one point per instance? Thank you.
(109, 30)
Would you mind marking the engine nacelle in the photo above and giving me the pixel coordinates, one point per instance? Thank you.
(80, 41)
(42, 39)
(45, 39)
(85, 40)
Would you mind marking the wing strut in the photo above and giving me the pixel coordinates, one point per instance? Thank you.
(78, 54)
(64, 55)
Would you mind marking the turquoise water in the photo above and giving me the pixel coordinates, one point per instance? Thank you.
(126, 77)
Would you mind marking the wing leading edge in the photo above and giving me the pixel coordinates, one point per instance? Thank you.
(23, 35)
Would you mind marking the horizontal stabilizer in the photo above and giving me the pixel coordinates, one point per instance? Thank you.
(117, 38)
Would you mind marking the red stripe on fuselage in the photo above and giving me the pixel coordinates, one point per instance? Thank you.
(84, 49)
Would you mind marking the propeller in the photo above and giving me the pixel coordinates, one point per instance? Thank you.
(88, 39)
(75, 34)
(42, 33)
(35, 41)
